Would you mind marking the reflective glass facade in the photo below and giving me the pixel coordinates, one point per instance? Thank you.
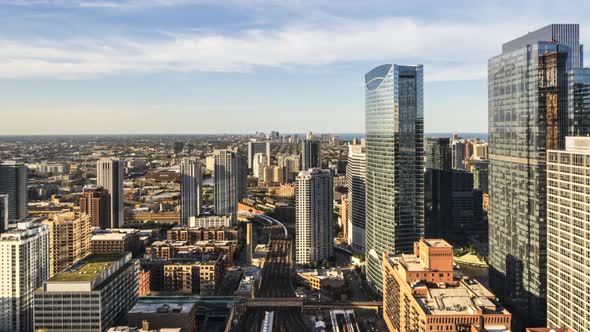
(527, 115)
(394, 122)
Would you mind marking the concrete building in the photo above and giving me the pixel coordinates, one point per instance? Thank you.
(321, 278)
(154, 316)
(255, 147)
(421, 293)
(313, 221)
(3, 213)
(24, 265)
(116, 241)
(69, 239)
(356, 182)
(311, 154)
(568, 235)
(95, 203)
(438, 153)
(13, 182)
(109, 175)
(94, 294)
(291, 165)
(191, 189)
(227, 183)
(533, 67)
(480, 170)
(260, 160)
(394, 122)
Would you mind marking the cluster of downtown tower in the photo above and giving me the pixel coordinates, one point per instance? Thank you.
(537, 95)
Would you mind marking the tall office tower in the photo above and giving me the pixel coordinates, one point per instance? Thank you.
(568, 232)
(480, 174)
(311, 154)
(3, 212)
(290, 165)
(421, 293)
(458, 154)
(69, 240)
(13, 182)
(95, 202)
(191, 189)
(109, 175)
(394, 122)
(260, 160)
(528, 114)
(438, 153)
(313, 216)
(227, 183)
(257, 147)
(24, 265)
(579, 101)
(356, 181)
(93, 296)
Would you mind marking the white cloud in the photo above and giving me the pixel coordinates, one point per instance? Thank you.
(450, 51)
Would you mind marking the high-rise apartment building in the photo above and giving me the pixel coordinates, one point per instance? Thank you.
(438, 153)
(568, 235)
(356, 181)
(579, 101)
(458, 154)
(95, 202)
(528, 114)
(69, 239)
(3, 212)
(421, 293)
(291, 166)
(109, 175)
(394, 122)
(313, 216)
(227, 183)
(191, 189)
(480, 170)
(311, 154)
(13, 182)
(24, 265)
(92, 295)
(257, 147)
(260, 160)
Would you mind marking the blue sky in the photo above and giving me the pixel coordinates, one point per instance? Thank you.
(240, 66)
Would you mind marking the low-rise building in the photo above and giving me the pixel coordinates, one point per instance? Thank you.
(93, 294)
(115, 240)
(321, 278)
(154, 316)
(421, 293)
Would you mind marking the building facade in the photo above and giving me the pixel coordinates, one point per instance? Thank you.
(311, 154)
(13, 182)
(69, 240)
(313, 216)
(95, 203)
(527, 115)
(93, 295)
(394, 122)
(24, 265)
(568, 235)
(191, 189)
(257, 147)
(227, 183)
(109, 175)
(356, 181)
(438, 153)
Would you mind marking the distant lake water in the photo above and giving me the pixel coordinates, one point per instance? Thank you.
(482, 136)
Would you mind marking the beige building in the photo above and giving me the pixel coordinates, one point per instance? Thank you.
(568, 235)
(69, 239)
(421, 293)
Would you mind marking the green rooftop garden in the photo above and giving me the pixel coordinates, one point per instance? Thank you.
(88, 268)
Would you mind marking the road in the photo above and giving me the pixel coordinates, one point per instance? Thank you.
(276, 283)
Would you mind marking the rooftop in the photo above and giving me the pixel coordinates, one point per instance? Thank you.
(161, 308)
(438, 243)
(88, 268)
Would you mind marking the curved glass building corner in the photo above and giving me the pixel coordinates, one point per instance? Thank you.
(394, 122)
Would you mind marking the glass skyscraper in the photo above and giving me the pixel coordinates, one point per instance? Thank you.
(394, 122)
(528, 113)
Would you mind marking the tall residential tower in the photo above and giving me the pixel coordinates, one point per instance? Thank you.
(394, 122)
(109, 175)
(191, 189)
(13, 182)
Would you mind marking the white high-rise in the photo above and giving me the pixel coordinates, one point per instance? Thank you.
(24, 265)
(356, 180)
(260, 160)
(109, 175)
(227, 183)
(568, 235)
(254, 148)
(13, 182)
(313, 220)
(291, 165)
(191, 189)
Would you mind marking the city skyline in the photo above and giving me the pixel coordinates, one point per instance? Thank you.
(124, 59)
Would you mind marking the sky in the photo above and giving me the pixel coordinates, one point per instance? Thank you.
(241, 66)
